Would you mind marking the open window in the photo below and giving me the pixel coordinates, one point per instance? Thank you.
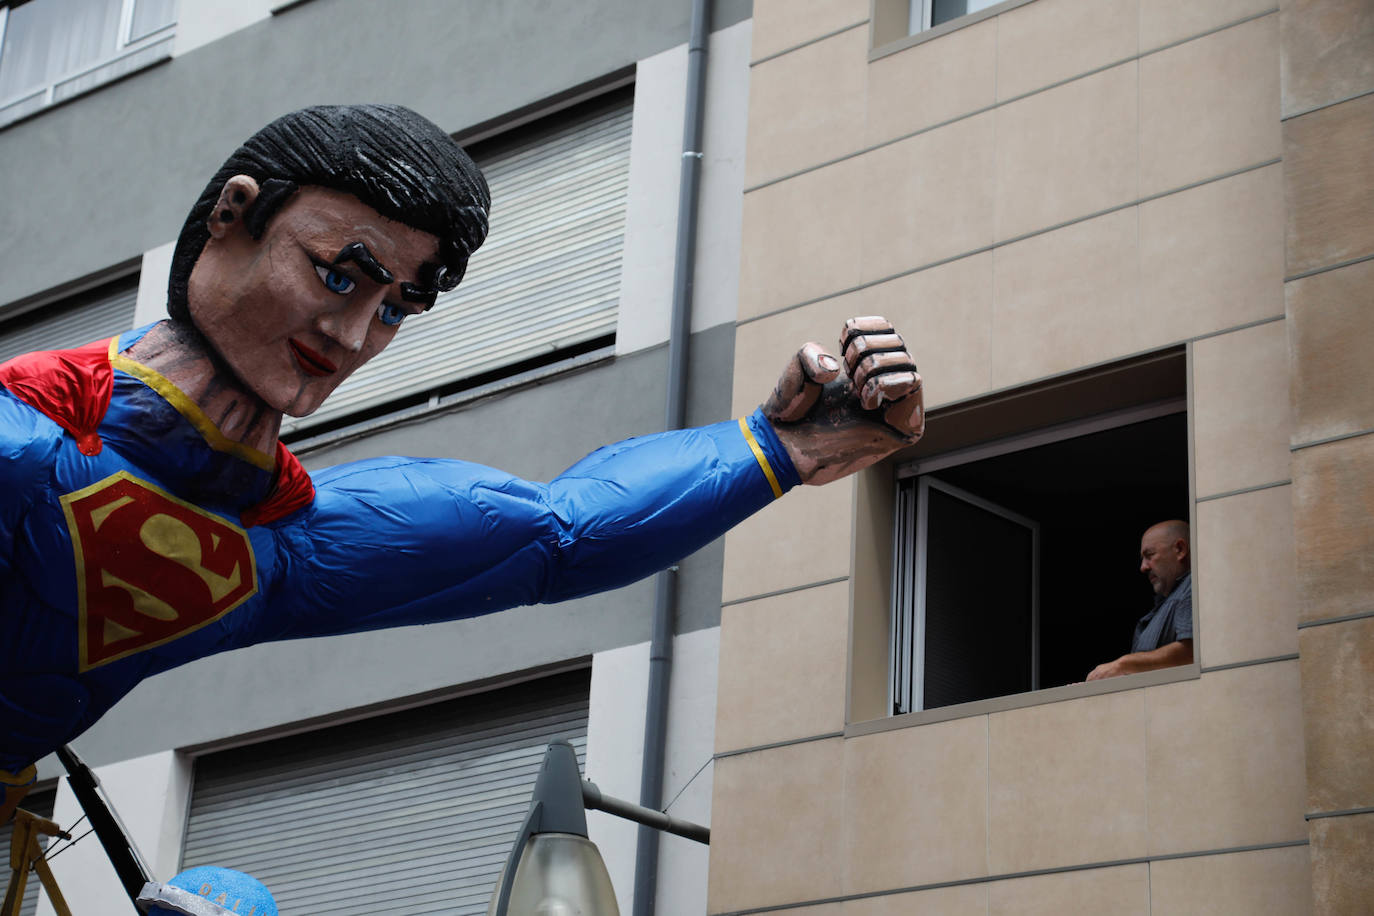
(1015, 565)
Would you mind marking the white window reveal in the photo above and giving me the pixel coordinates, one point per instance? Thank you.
(51, 50)
(927, 14)
(546, 280)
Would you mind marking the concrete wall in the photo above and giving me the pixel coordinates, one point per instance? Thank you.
(1056, 185)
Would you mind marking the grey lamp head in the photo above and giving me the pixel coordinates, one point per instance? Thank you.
(553, 868)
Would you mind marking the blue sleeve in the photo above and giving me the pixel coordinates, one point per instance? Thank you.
(397, 541)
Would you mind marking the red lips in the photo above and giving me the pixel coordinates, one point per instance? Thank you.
(311, 362)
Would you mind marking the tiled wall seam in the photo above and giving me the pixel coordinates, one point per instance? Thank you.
(1363, 615)
(1316, 815)
(1116, 863)
(1292, 656)
(995, 105)
(1329, 267)
(1240, 327)
(1325, 105)
(1243, 490)
(720, 755)
(867, 284)
(784, 591)
(808, 43)
(1341, 438)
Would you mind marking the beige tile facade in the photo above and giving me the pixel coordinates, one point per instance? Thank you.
(963, 64)
(781, 676)
(1235, 884)
(1337, 681)
(1225, 763)
(1053, 40)
(781, 25)
(1067, 783)
(1331, 332)
(1209, 106)
(1244, 579)
(1329, 52)
(1123, 891)
(777, 826)
(1327, 86)
(1333, 526)
(1240, 409)
(916, 806)
(1342, 848)
(1329, 185)
(1062, 185)
(810, 105)
(1067, 152)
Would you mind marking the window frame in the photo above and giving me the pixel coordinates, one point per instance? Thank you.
(906, 611)
(32, 101)
(906, 675)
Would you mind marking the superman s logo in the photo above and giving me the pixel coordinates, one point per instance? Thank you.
(150, 567)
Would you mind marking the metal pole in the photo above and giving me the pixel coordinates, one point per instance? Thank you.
(679, 339)
(595, 801)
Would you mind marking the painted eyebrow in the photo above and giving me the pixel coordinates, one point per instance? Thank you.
(358, 253)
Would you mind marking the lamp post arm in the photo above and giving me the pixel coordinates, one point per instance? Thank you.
(594, 800)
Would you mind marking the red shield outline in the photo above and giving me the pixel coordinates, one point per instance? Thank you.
(150, 567)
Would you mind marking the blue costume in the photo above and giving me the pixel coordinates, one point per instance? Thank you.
(134, 537)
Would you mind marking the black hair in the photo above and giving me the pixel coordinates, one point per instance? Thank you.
(392, 159)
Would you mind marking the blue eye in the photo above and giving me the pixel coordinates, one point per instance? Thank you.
(334, 281)
(390, 314)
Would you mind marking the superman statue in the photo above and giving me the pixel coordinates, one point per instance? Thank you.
(149, 514)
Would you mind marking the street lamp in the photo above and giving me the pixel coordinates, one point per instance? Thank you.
(553, 869)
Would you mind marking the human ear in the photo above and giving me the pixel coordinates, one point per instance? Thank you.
(235, 199)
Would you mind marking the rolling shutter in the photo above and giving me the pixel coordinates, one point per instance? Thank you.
(103, 313)
(547, 278)
(413, 812)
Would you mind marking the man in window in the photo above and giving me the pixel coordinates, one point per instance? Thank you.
(1164, 636)
(150, 515)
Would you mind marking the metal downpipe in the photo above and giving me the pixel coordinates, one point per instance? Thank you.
(679, 339)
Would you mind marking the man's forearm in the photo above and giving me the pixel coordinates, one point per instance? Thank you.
(1170, 656)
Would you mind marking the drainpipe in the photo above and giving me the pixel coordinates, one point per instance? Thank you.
(679, 337)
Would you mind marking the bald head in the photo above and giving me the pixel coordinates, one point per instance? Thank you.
(1165, 554)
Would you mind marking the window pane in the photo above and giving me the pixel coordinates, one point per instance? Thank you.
(945, 10)
(979, 568)
(48, 39)
(151, 15)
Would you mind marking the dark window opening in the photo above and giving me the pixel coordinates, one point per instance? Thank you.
(1020, 571)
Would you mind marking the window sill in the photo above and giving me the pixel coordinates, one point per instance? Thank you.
(1022, 700)
(883, 45)
(151, 51)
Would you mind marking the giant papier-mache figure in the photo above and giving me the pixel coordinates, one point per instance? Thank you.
(150, 516)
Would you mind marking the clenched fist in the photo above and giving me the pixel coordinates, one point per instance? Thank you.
(837, 416)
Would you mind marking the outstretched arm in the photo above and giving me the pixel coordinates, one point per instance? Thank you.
(397, 541)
